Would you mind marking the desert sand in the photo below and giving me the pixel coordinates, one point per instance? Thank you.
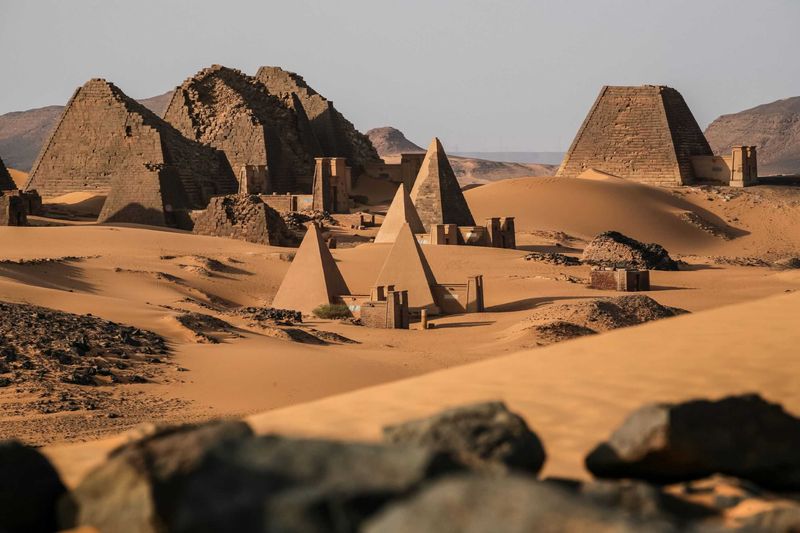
(740, 334)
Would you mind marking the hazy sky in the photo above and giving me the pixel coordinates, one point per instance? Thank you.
(482, 75)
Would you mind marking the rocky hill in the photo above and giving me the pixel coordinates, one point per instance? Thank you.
(391, 142)
(774, 128)
(22, 133)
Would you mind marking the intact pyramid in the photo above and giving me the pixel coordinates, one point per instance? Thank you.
(407, 269)
(108, 143)
(313, 279)
(645, 133)
(436, 193)
(6, 182)
(401, 212)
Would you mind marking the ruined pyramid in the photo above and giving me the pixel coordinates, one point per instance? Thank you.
(6, 182)
(107, 143)
(233, 112)
(313, 279)
(646, 133)
(407, 269)
(337, 137)
(402, 211)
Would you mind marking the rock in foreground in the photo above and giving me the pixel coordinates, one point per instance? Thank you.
(743, 436)
(612, 249)
(485, 436)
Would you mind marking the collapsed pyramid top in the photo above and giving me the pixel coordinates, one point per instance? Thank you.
(643, 133)
(6, 183)
(437, 194)
(107, 143)
(235, 113)
(407, 269)
(313, 279)
(336, 135)
(401, 212)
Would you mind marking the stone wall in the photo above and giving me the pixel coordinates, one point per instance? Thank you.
(643, 133)
(336, 135)
(243, 217)
(12, 211)
(233, 112)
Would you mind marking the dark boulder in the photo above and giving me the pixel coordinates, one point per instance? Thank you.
(29, 490)
(743, 436)
(485, 436)
(612, 249)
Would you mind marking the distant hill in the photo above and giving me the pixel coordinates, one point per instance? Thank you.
(391, 142)
(22, 133)
(774, 128)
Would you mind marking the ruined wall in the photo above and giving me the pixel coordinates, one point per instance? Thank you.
(12, 211)
(233, 112)
(336, 135)
(107, 143)
(643, 133)
(6, 182)
(243, 217)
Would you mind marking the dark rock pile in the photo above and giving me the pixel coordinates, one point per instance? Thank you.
(270, 314)
(553, 258)
(244, 217)
(470, 469)
(612, 249)
(57, 355)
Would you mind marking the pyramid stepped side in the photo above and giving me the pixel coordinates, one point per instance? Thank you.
(645, 133)
(337, 136)
(6, 182)
(407, 269)
(313, 279)
(233, 112)
(436, 193)
(402, 211)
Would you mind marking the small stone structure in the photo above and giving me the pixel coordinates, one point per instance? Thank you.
(645, 133)
(612, 249)
(404, 172)
(400, 212)
(502, 232)
(253, 179)
(740, 169)
(12, 210)
(243, 217)
(235, 113)
(386, 308)
(322, 124)
(107, 143)
(619, 279)
(331, 185)
(285, 203)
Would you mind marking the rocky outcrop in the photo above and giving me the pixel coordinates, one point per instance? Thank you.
(743, 436)
(243, 217)
(235, 113)
(391, 141)
(484, 436)
(615, 250)
(773, 128)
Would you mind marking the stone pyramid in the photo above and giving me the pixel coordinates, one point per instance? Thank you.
(6, 182)
(108, 143)
(235, 113)
(313, 279)
(646, 133)
(407, 269)
(402, 211)
(336, 135)
(436, 193)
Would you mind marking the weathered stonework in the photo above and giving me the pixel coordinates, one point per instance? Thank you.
(332, 183)
(107, 143)
(337, 137)
(243, 217)
(233, 112)
(6, 182)
(645, 133)
(12, 210)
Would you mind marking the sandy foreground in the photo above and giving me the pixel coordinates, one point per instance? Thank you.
(741, 334)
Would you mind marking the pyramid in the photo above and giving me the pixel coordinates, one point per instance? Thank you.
(402, 211)
(107, 143)
(437, 194)
(407, 269)
(313, 279)
(6, 182)
(336, 135)
(233, 112)
(646, 133)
